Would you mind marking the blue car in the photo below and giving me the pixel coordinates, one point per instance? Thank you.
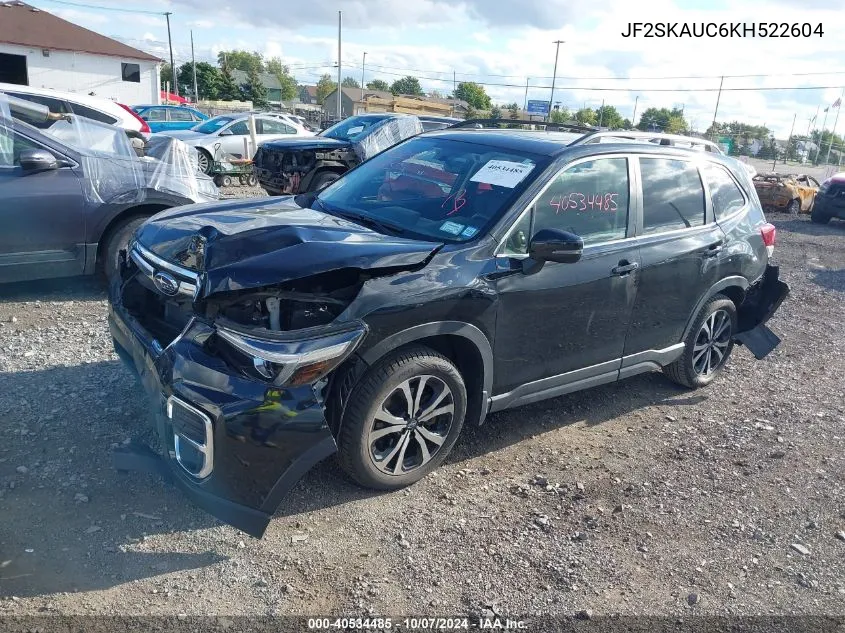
(162, 118)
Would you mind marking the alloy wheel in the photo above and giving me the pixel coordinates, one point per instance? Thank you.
(203, 163)
(711, 345)
(411, 424)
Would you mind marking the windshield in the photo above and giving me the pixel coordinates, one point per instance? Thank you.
(353, 128)
(212, 125)
(433, 188)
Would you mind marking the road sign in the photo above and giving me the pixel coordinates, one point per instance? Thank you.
(538, 107)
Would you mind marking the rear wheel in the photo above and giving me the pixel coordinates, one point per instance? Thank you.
(402, 419)
(794, 207)
(117, 240)
(708, 345)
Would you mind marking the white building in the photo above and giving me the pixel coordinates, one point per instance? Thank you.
(41, 50)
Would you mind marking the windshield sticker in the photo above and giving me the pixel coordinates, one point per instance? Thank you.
(469, 231)
(504, 173)
(452, 227)
(354, 130)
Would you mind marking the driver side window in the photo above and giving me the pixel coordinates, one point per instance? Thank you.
(241, 128)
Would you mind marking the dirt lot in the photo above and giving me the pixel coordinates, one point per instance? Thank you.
(633, 498)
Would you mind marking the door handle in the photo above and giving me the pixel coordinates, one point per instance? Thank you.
(624, 268)
(714, 249)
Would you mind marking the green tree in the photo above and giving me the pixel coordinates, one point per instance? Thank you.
(378, 84)
(325, 86)
(350, 82)
(471, 113)
(608, 116)
(254, 90)
(627, 125)
(495, 112)
(586, 116)
(275, 67)
(513, 110)
(473, 94)
(662, 120)
(407, 86)
(241, 60)
(208, 80)
(560, 115)
(228, 90)
(166, 76)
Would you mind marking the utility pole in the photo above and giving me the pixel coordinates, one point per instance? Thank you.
(194, 64)
(525, 106)
(810, 122)
(363, 64)
(339, 100)
(454, 85)
(554, 75)
(838, 105)
(634, 117)
(601, 113)
(718, 98)
(821, 134)
(172, 67)
(774, 162)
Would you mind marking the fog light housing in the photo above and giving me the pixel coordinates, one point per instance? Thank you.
(193, 438)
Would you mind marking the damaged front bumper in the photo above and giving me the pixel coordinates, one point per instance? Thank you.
(235, 445)
(763, 301)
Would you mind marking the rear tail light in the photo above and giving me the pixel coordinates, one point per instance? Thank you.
(145, 129)
(769, 234)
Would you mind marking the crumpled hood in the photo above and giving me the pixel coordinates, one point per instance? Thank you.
(305, 143)
(249, 244)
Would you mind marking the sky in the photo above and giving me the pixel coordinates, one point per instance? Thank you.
(504, 44)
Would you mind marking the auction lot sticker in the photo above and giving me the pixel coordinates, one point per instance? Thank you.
(504, 173)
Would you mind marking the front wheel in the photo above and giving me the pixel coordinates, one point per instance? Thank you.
(794, 207)
(323, 180)
(117, 240)
(402, 419)
(708, 345)
(204, 161)
(818, 217)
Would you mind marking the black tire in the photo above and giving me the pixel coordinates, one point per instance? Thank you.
(382, 385)
(204, 161)
(251, 180)
(818, 217)
(686, 371)
(323, 180)
(117, 239)
(226, 181)
(794, 207)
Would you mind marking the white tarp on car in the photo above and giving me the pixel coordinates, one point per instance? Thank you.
(386, 134)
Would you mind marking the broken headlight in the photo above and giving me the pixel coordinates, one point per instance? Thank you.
(295, 361)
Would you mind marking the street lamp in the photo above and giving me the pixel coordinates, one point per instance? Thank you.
(554, 75)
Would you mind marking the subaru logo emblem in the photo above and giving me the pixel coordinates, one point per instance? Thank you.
(166, 283)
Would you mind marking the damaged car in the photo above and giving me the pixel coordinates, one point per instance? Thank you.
(789, 193)
(291, 166)
(74, 190)
(456, 274)
(830, 200)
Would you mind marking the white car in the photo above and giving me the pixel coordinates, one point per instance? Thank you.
(225, 134)
(96, 108)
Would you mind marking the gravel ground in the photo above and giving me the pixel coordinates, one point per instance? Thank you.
(636, 498)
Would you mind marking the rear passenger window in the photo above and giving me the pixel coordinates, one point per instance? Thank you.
(673, 197)
(726, 196)
(180, 115)
(589, 199)
(91, 113)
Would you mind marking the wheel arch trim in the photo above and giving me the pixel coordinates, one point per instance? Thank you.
(442, 328)
(734, 281)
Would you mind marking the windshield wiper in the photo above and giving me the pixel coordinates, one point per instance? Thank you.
(364, 220)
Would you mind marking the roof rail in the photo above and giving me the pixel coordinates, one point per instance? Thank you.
(514, 123)
(657, 138)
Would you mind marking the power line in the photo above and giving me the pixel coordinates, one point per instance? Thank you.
(626, 89)
(449, 72)
(102, 8)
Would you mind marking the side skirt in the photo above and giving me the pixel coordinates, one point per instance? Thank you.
(587, 377)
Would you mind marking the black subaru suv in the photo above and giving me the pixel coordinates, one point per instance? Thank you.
(456, 274)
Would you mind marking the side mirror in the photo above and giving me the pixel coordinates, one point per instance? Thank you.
(38, 160)
(225, 133)
(553, 245)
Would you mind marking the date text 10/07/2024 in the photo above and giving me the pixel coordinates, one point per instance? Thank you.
(417, 624)
(723, 29)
